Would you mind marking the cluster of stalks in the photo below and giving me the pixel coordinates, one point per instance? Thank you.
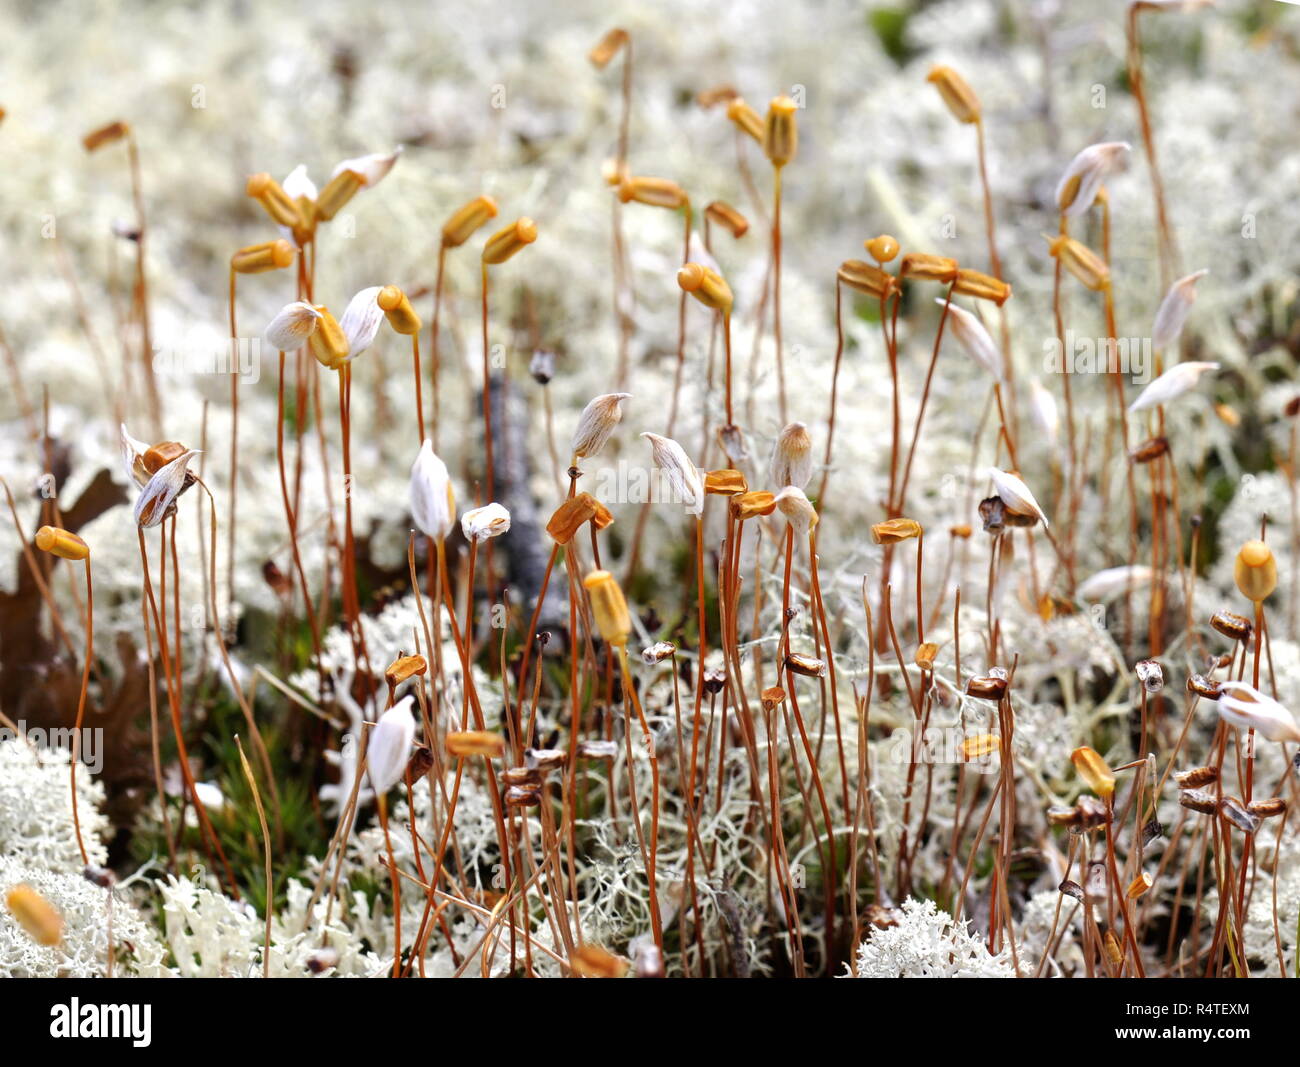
(734, 722)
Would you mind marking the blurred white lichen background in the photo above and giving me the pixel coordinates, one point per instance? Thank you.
(813, 838)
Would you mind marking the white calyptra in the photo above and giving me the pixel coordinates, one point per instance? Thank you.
(792, 457)
(1105, 584)
(360, 322)
(1016, 495)
(1176, 381)
(657, 653)
(371, 169)
(478, 524)
(1245, 706)
(296, 184)
(1084, 175)
(797, 509)
(210, 795)
(291, 327)
(161, 491)
(389, 749)
(682, 474)
(972, 336)
(597, 422)
(133, 458)
(1173, 311)
(433, 502)
(700, 254)
(1043, 407)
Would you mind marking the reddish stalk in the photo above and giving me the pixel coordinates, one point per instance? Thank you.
(81, 708)
(776, 291)
(141, 298)
(435, 364)
(291, 519)
(1168, 250)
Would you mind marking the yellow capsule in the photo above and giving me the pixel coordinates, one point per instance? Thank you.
(328, 343)
(96, 139)
(960, 98)
(891, 531)
(569, 517)
(864, 278)
(781, 131)
(256, 259)
(982, 286)
(980, 745)
(925, 656)
(609, 607)
(723, 214)
(591, 961)
(476, 743)
(725, 483)
(156, 457)
(1081, 261)
(61, 543)
(706, 285)
(1255, 571)
(1113, 951)
(607, 48)
(36, 915)
(882, 249)
(657, 192)
(746, 118)
(1094, 771)
(466, 220)
(397, 309)
(337, 192)
(752, 504)
(405, 667)
(928, 268)
(1229, 416)
(506, 242)
(278, 204)
(1139, 885)
(1049, 607)
(601, 516)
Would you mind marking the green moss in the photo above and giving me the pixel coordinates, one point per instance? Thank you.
(889, 24)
